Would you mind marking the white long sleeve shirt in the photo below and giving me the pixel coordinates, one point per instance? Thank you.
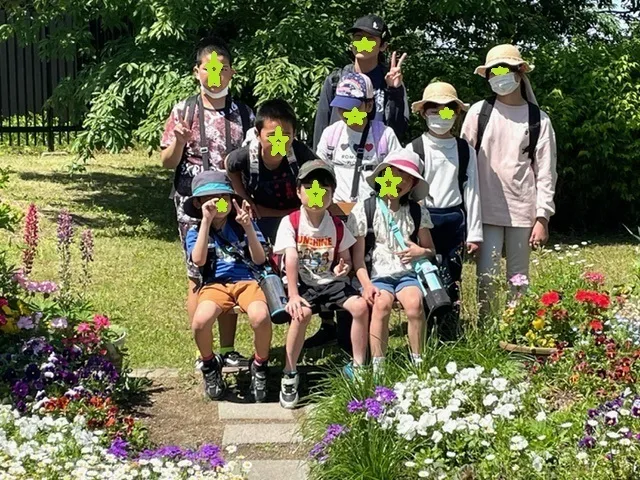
(441, 173)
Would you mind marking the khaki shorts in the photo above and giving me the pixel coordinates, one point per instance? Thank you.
(228, 295)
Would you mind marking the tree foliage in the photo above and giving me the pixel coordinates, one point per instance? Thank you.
(286, 48)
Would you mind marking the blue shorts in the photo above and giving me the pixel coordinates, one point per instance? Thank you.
(394, 284)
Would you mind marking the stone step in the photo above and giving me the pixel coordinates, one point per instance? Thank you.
(253, 411)
(278, 469)
(253, 433)
(152, 373)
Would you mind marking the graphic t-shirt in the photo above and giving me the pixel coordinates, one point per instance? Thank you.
(276, 188)
(344, 158)
(377, 80)
(214, 126)
(384, 261)
(317, 248)
(221, 266)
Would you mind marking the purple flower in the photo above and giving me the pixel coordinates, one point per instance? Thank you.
(65, 227)
(21, 406)
(25, 323)
(385, 395)
(519, 280)
(59, 322)
(86, 245)
(635, 408)
(118, 447)
(587, 442)
(333, 431)
(20, 389)
(32, 372)
(374, 408)
(611, 418)
(317, 450)
(31, 238)
(592, 412)
(355, 406)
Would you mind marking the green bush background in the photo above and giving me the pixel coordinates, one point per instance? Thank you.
(587, 73)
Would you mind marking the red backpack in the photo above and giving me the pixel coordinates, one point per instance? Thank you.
(294, 218)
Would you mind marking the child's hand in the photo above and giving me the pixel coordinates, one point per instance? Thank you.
(369, 293)
(394, 76)
(472, 247)
(294, 307)
(539, 234)
(342, 268)
(243, 216)
(182, 130)
(412, 253)
(209, 210)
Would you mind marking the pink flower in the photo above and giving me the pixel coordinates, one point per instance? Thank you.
(31, 238)
(3, 302)
(83, 327)
(519, 280)
(3, 320)
(596, 278)
(101, 321)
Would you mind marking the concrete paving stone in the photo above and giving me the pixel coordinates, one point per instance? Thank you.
(253, 411)
(253, 433)
(155, 372)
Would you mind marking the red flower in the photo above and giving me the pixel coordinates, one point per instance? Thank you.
(550, 298)
(3, 302)
(100, 321)
(601, 300)
(541, 312)
(596, 326)
(600, 339)
(3, 320)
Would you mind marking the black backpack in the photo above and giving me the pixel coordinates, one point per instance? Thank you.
(463, 159)
(180, 183)
(534, 126)
(370, 206)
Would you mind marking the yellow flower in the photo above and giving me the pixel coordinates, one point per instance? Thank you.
(10, 327)
(7, 310)
(24, 309)
(531, 336)
(538, 323)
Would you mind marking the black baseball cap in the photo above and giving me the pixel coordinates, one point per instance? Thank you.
(373, 25)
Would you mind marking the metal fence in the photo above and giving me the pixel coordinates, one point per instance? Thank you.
(26, 82)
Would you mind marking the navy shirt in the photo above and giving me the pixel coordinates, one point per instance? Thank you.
(227, 269)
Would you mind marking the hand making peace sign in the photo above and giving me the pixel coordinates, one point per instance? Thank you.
(394, 76)
(182, 130)
(243, 213)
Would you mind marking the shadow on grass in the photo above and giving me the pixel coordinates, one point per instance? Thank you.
(125, 205)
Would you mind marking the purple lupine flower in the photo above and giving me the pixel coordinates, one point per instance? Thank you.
(374, 408)
(118, 448)
(65, 227)
(385, 395)
(86, 245)
(31, 238)
(587, 442)
(355, 406)
(20, 389)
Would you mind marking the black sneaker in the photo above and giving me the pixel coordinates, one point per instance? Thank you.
(289, 390)
(259, 374)
(325, 336)
(235, 359)
(214, 385)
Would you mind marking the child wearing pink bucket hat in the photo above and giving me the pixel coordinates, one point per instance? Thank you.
(382, 267)
(516, 148)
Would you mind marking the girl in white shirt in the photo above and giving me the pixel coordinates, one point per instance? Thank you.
(450, 169)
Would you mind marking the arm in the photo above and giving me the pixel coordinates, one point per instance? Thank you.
(472, 201)
(201, 249)
(175, 136)
(171, 155)
(323, 113)
(426, 243)
(234, 171)
(397, 110)
(291, 267)
(544, 168)
(469, 130)
(255, 247)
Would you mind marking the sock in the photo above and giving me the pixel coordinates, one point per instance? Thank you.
(225, 350)
(416, 358)
(209, 363)
(259, 361)
(290, 374)
(378, 363)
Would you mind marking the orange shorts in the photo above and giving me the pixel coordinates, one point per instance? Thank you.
(228, 295)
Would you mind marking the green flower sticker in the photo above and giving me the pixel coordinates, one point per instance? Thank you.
(446, 113)
(222, 205)
(500, 70)
(354, 117)
(388, 183)
(315, 193)
(364, 45)
(278, 142)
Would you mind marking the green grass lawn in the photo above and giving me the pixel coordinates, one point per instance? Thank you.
(139, 276)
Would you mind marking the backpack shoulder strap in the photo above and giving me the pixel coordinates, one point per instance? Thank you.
(418, 147)
(335, 132)
(244, 116)
(416, 216)
(534, 130)
(463, 163)
(292, 159)
(294, 218)
(190, 105)
(335, 77)
(483, 120)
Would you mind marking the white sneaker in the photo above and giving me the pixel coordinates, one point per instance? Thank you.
(289, 390)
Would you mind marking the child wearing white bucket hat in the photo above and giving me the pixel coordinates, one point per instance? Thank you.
(381, 265)
(450, 169)
(516, 148)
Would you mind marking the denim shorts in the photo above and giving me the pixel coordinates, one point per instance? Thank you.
(394, 284)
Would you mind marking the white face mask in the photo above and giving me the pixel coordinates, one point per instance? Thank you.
(439, 125)
(504, 84)
(222, 93)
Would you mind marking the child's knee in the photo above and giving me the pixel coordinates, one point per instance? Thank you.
(201, 321)
(413, 307)
(258, 314)
(383, 304)
(358, 308)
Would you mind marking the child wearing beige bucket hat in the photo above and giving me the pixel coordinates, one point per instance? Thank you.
(450, 168)
(382, 267)
(516, 149)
